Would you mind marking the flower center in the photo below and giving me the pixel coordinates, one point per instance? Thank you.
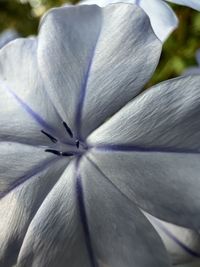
(77, 147)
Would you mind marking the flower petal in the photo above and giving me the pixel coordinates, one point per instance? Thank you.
(165, 117)
(19, 205)
(18, 163)
(86, 218)
(103, 3)
(157, 182)
(55, 236)
(162, 17)
(191, 3)
(24, 105)
(84, 72)
(182, 244)
(120, 234)
(159, 130)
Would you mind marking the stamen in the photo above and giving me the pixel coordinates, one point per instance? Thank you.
(59, 153)
(56, 152)
(53, 139)
(68, 129)
(67, 154)
(77, 143)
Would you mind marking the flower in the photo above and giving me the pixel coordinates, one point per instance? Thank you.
(162, 17)
(194, 70)
(7, 36)
(81, 150)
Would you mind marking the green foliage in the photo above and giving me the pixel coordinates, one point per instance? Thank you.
(17, 16)
(178, 51)
(24, 15)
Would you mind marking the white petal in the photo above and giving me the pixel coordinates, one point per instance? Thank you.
(190, 3)
(120, 235)
(162, 17)
(66, 45)
(20, 162)
(24, 105)
(120, 70)
(103, 3)
(83, 221)
(159, 130)
(87, 77)
(18, 207)
(162, 118)
(182, 244)
(55, 236)
(164, 184)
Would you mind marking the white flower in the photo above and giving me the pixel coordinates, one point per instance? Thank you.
(81, 151)
(162, 17)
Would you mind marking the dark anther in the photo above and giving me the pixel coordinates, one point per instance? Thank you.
(67, 154)
(53, 139)
(68, 129)
(77, 143)
(59, 153)
(56, 152)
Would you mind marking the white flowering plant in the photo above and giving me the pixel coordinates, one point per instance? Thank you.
(90, 165)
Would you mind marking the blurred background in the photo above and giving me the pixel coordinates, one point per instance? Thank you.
(178, 52)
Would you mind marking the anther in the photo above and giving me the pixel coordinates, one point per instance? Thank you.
(68, 129)
(56, 152)
(77, 143)
(67, 154)
(53, 139)
(59, 153)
